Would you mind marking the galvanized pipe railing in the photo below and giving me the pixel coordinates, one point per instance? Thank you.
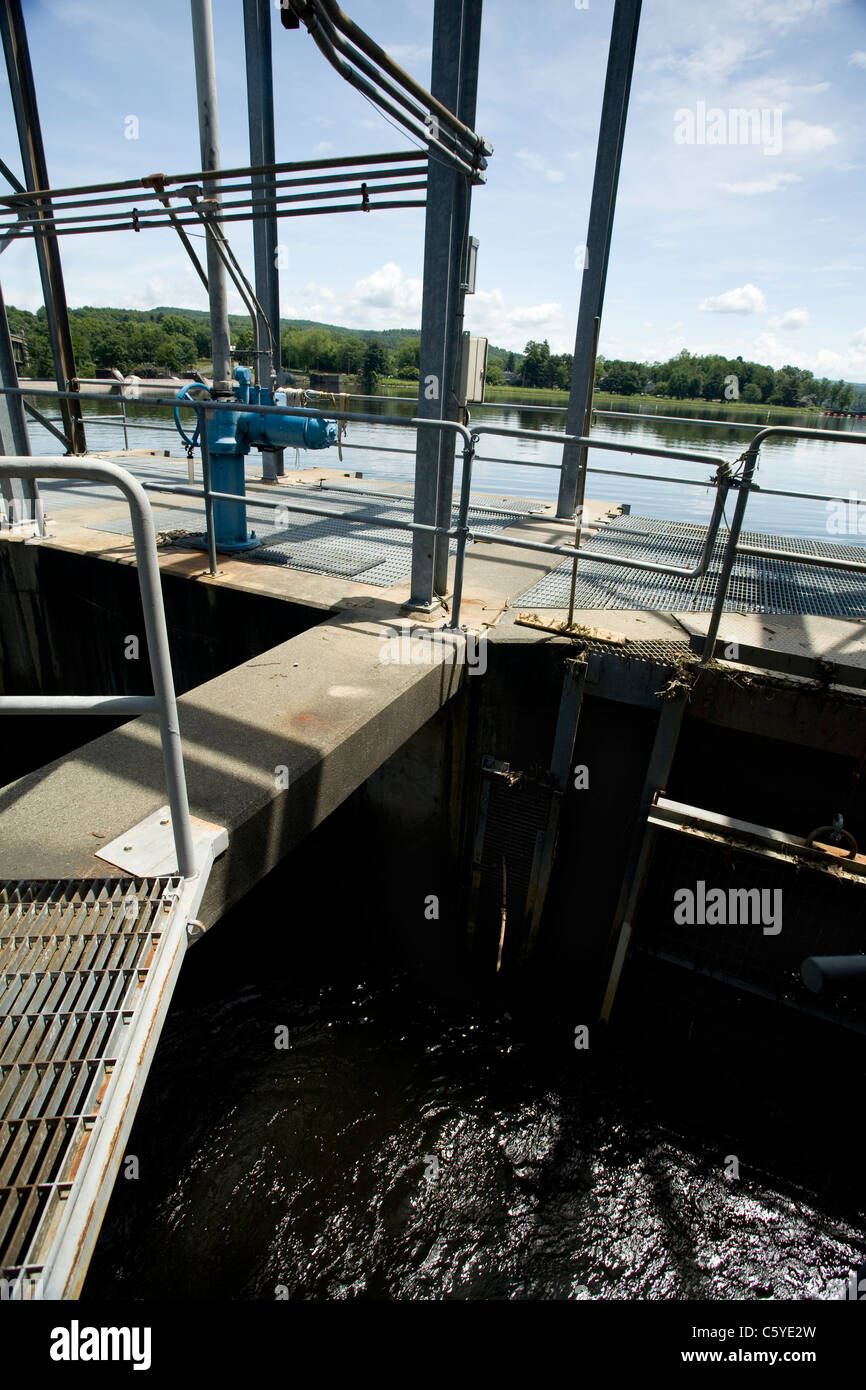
(750, 460)
(163, 702)
(461, 532)
(169, 428)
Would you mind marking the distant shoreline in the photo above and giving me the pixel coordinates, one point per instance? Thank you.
(504, 395)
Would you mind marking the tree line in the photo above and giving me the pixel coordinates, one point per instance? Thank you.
(688, 376)
(176, 341)
(121, 338)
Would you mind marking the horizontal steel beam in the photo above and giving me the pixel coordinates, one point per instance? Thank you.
(298, 166)
(757, 839)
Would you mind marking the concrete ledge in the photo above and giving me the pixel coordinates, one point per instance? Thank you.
(321, 706)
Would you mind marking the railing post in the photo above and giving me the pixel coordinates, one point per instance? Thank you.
(730, 554)
(144, 537)
(462, 527)
(203, 416)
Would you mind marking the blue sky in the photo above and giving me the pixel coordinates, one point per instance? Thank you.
(756, 245)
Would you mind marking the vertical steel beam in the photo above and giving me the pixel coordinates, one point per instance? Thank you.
(260, 100)
(20, 495)
(729, 556)
(620, 62)
(23, 92)
(14, 438)
(454, 82)
(643, 842)
(565, 737)
(208, 125)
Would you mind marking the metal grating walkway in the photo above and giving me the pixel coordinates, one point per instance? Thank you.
(335, 546)
(86, 971)
(757, 585)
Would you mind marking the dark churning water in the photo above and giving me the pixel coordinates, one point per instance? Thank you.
(417, 1140)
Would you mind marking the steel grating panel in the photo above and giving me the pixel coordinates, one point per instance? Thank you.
(341, 556)
(76, 958)
(661, 653)
(336, 544)
(373, 555)
(757, 585)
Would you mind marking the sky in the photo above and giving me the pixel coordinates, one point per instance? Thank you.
(745, 237)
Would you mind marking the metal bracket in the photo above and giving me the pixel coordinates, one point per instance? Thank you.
(147, 850)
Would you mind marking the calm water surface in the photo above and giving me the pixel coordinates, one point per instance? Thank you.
(796, 465)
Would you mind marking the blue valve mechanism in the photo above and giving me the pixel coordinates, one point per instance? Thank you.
(230, 436)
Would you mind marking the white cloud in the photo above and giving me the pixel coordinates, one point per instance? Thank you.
(488, 314)
(748, 299)
(535, 313)
(772, 183)
(384, 299)
(536, 165)
(387, 288)
(801, 138)
(859, 339)
(828, 361)
(410, 55)
(858, 59)
(716, 60)
(792, 318)
(766, 347)
(783, 14)
(322, 147)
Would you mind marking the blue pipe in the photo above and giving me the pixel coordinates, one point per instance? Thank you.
(230, 436)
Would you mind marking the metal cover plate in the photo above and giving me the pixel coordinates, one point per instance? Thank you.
(147, 850)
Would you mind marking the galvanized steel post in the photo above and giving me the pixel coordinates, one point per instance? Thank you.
(23, 94)
(623, 42)
(454, 82)
(19, 494)
(205, 85)
(260, 100)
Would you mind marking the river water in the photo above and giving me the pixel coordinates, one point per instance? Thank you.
(421, 1138)
(427, 1135)
(795, 465)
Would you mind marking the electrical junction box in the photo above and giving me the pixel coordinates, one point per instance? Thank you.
(473, 369)
(471, 267)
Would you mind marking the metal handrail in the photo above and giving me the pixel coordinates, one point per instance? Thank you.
(750, 461)
(461, 531)
(497, 458)
(163, 702)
